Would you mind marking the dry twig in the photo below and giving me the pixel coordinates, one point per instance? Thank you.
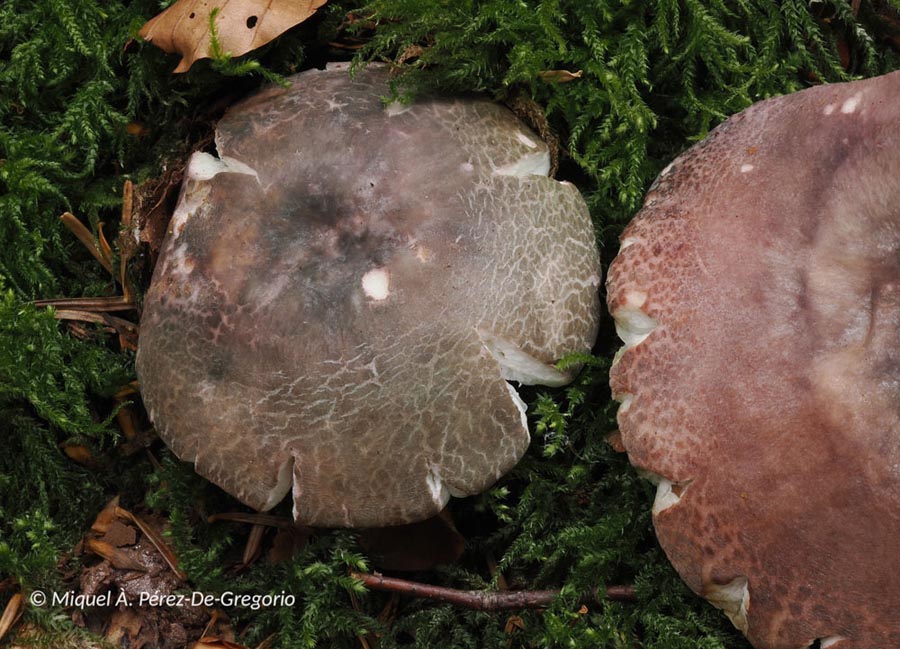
(479, 600)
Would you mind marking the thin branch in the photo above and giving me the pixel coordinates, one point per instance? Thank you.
(480, 600)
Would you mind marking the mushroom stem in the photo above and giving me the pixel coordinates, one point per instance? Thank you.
(479, 600)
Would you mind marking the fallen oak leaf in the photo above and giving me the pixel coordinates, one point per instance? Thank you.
(241, 26)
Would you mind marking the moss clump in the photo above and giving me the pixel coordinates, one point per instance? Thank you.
(82, 112)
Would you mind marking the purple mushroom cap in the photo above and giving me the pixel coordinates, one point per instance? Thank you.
(758, 295)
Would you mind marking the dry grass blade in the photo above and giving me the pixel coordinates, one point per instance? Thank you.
(84, 235)
(82, 316)
(155, 539)
(117, 303)
(254, 544)
(268, 642)
(253, 519)
(127, 203)
(99, 318)
(103, 245)
(213, 618)
(126, 251)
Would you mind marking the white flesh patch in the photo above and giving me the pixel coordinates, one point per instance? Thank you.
(625, 401)
(517, 365)
(375, 284)
(850, 105)
(627, 241)
(830, 641)
(746, 168)
(200, 168)
(440, 495)
(203, 166)
(829, 108)
(633, 325)
(179, 264)
(527, 141)
(733, 598)
(192, 198)
(668, 494)
(530, 164)
(281, 488)
(519, 404)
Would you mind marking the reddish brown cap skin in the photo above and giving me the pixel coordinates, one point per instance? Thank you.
(765, 266)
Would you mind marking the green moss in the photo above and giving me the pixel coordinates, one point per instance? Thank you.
(656, 76)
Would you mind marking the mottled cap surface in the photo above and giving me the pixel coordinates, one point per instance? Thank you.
(345, 292)
(758, 294)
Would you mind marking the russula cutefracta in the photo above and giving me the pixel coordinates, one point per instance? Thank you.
(758, 295)
(345, 293)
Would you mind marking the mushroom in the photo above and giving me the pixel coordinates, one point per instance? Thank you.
(346, 292)
(758, 296)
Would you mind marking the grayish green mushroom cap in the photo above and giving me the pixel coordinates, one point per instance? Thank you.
(345, 293)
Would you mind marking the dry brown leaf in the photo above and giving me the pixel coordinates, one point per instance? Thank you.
(124, 627)
(78, 453)
(560, 76)
(242, 25)
(11, 613)
(155, 538)
(614, 439)
(212, 642)
(118, 558)
(119, 535)
(106, 517)
(514, 623)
